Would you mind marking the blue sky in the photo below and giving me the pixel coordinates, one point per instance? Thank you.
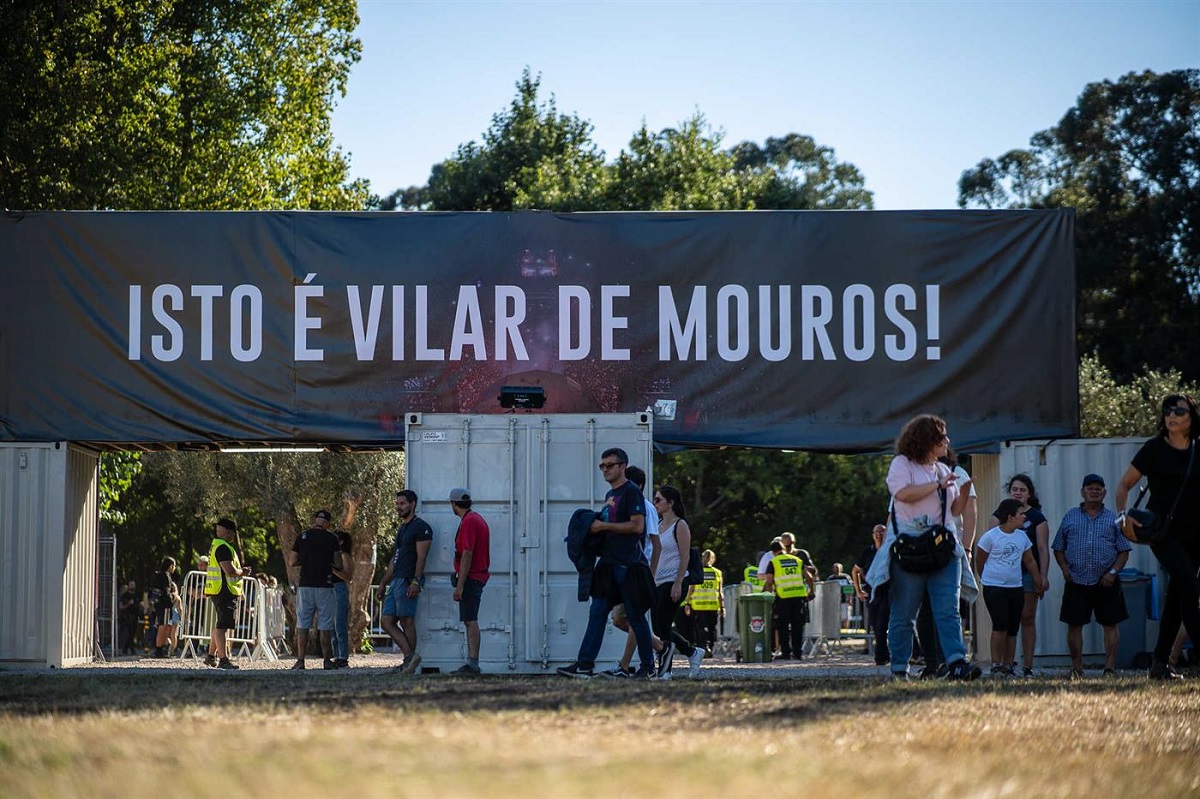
(912, 93)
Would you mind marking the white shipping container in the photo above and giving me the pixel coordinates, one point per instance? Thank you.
(527, 473)
(49, 519)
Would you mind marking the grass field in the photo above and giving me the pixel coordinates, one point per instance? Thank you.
(367, 733)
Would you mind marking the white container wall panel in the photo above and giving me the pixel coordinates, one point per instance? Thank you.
(1057, 469)
(527, 474)
(26, 514)
(80, 594)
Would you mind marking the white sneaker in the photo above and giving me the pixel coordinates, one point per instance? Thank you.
(665, 676)
(694, 663)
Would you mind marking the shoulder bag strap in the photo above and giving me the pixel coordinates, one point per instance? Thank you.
(1183, 485)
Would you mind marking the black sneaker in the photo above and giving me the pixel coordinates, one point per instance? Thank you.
(617, 672)
(298, 665)
(664, 659)
(342, 663)
(576, 671)
(963, 671)
(1163, 671)
(228, 665)
(210, 660)
(1027, 672)
(1110, 672)
(645, 673)
(467, 668)
(329, 665)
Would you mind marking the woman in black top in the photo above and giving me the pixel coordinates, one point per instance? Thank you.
(1164, 460)
(1020, 488)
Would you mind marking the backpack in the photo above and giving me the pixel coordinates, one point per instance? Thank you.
(695, 564)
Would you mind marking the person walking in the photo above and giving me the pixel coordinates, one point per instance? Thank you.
(789, 579)
(621, 575)
(166, 608)
(404, 579)
(472, 559)
(316, 553)
(1171, 466)
(676, 538)
(707, 603)
(223, 587)
(1090, 550)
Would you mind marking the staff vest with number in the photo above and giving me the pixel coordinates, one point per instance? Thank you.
(751, 576)
(789, 576)
(707, 595)
(212, 580)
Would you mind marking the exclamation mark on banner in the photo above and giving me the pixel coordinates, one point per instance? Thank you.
(933, 313)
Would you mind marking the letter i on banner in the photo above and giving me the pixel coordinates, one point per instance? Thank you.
(933, 313)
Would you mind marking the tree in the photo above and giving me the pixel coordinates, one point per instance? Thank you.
(531, 157)
(1127, 159)
(117, 473)
(799, 173)
(174, 104)
(1109, 409)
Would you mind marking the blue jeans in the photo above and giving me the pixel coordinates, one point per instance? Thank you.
(341, 621)
(593, 638)
(906, 592)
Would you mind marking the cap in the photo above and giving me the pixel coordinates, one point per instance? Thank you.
(323, 514)
(1092, 478)
(458, 494)
(228, 524)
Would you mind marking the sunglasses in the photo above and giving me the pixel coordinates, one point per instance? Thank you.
(1177, 410)
(610, 465)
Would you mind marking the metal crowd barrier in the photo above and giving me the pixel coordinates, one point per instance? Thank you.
(258, 620)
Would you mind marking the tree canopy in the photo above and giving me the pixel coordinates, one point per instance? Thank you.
(174, 104)
(1126, 157)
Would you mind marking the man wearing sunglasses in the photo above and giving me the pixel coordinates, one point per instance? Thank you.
(621, 575)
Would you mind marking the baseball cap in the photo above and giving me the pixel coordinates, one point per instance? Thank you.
(323, 514)
(1092, 478)
(459, 494)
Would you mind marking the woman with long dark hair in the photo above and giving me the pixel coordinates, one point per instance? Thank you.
(1171, 466)
(669, 592)
(1020, 487)
(925, 493)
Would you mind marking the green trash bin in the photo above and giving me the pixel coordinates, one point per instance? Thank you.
(754, 626)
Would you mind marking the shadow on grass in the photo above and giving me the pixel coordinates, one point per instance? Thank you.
(753, 700)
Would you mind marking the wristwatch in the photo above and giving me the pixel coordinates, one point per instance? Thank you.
(1112, 571)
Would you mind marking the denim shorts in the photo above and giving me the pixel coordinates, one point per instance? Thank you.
(315, 602)
(397, 604)
(468, 606)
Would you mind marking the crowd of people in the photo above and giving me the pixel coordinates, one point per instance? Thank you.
(916, 579)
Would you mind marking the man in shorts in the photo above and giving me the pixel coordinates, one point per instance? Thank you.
(1090, 550)
(472, 559)
(223, 587)
(317, 552)
(404, 579)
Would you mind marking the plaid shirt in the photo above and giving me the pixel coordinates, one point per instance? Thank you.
(1090, 545)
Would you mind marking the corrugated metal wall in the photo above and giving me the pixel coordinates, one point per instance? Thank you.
(48, 538)
(1057, 469)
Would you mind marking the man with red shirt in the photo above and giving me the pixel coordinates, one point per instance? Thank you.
(471, 562)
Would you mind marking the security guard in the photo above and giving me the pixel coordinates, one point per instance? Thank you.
(707, 603)
(223, 586)
(789, 580)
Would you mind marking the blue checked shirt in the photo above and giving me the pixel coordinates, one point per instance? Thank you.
(1089, 545)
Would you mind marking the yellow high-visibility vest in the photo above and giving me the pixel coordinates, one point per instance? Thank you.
(751, 576)
(212, 580)
(789, 576)
(707, 595)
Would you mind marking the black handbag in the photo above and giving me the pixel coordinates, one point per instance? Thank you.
(927, 552)
(1154, 527)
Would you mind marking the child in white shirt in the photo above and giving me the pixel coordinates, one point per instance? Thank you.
(999, 554)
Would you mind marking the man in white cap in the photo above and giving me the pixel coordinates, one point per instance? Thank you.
(472, 559)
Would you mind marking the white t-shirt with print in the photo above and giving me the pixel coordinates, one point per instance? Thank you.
(1005, 550)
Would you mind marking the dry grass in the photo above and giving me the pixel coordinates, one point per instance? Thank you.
(366, 734)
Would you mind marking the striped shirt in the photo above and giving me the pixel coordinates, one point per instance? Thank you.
(1089, 545)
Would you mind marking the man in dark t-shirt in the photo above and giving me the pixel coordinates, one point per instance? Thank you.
(404, 579)
(623, 524)
(317, 553)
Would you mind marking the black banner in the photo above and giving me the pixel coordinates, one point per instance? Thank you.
(805, 330)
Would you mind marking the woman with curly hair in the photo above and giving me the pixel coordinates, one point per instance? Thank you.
(925, 493)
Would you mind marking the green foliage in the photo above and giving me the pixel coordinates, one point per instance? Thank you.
(1112, 410)
(738, 500)
(1127, 159)
(532, 156)
(174, 104)
(117, 473)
